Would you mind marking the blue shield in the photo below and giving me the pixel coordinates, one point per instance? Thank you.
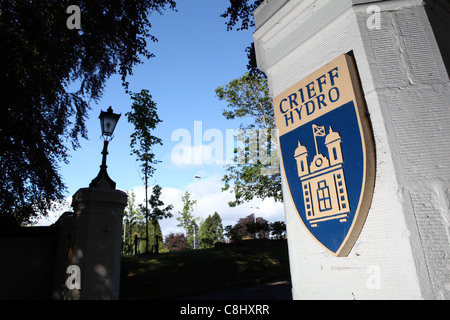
(328, 159)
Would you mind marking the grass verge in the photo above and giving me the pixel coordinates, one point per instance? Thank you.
(194, 271)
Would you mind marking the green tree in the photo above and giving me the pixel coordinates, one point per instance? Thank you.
(157, 213)
(242, 11)
(144, 117)
(211, 231)
(234, 233)
(132, 220)
(49, 76)
(134, 225)
(255, 171)
(259, 229)
(278, 229)
(155, 233)
(186, 220)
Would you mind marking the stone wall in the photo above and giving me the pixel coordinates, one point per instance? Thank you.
(27, 259)
(403, 251)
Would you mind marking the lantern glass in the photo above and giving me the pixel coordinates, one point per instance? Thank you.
(108, 122)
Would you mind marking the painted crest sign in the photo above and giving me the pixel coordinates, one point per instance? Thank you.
(327, 151)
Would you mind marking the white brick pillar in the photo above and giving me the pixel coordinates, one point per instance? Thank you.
(97, 245)
(403, 250)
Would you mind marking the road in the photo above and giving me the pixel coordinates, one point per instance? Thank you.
(274, 290)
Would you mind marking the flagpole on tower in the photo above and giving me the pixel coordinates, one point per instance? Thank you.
(315, 141)
(318, 131)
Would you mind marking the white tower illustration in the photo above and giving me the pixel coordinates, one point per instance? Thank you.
(301, 156)
(323, 182)
(333, 143)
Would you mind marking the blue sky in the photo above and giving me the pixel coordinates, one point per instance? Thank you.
(194, 55)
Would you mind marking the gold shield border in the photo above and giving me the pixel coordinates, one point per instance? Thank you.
(353, 92)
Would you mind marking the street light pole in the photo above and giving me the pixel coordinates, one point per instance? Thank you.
(196, 206)
(97, 230)
(108, 122)
(254, 219)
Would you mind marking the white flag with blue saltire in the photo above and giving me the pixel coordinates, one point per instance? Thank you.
(319, 130)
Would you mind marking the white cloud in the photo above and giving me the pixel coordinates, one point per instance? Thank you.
(207, 190)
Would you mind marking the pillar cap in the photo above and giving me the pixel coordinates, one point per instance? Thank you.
(102, 197)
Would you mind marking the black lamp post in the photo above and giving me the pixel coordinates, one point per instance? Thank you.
(108, 122)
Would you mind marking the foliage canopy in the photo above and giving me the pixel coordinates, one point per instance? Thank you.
(242, 11)
(49, 76)
(255, 169)
(144, 117)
